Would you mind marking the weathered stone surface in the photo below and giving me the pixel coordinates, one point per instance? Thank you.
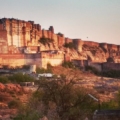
(45, 33)
(61, 41)
(91, 43)
(19, 37)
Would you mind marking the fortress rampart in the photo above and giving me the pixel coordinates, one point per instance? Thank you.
(13, 60)
(19, 45)
(91, 43)
(20, 33)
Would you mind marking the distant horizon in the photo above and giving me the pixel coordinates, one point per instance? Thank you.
(89, 20)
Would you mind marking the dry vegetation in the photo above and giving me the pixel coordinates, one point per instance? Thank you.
(11, 98)
(106, 88)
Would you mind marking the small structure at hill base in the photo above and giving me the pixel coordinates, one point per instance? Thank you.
(46, 75)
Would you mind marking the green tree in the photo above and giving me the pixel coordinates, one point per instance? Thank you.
(42, 70)
(20, 77)
(27, 112)
(70, 102)
(4, 79)
(68, 64)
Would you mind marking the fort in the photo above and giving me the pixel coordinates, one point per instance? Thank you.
(20, 45)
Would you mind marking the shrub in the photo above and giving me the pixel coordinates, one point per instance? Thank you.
(49, 68)
(92, 69)
(28, 111)
(28, 116)
(45, 41)
(42, 70)
(14, 104)
(112, 104)
(71, 103)
(69, 45)
(68, 64)
(4, 79)
(19, 77)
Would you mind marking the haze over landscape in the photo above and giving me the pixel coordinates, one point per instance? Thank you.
(94, 20)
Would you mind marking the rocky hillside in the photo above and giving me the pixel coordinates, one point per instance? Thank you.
(105, 88)
(11, 97)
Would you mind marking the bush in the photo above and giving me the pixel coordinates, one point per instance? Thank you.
(69, 45)
(42, 70)
(28, 116)
(68, 64)
(49, 68)
(14, 104)
(29, 111)
(92, 69)
(4, 79)
(110, 105)
(70, 102)
(45, 41)
(19, 77)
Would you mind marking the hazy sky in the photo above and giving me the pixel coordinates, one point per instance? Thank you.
(94, 20)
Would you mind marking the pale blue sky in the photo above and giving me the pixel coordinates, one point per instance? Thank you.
(99, 20)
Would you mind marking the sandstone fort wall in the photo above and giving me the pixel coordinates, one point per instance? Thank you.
(19, 40)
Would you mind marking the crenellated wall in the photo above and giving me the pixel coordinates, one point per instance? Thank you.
(91, 43)
(19, 37)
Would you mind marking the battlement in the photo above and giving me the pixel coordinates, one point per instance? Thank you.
(24, 38)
